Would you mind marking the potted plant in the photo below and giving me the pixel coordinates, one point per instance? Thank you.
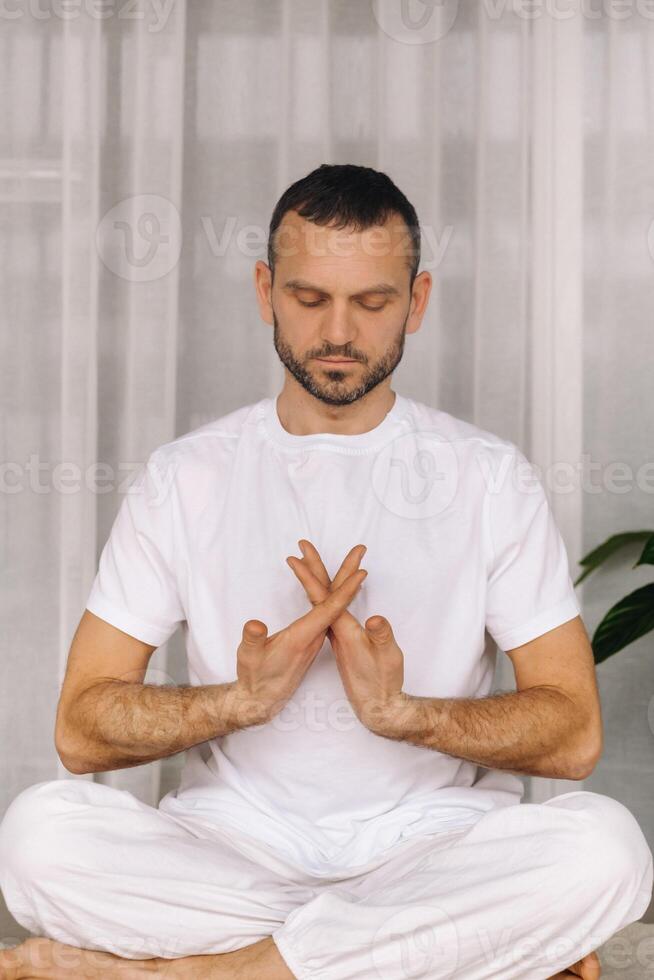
(631, 617)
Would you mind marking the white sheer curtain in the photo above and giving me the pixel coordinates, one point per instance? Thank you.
(525, 143)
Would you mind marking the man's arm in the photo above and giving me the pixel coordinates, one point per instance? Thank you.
(108, 719)
(550, 726)
(123, 724)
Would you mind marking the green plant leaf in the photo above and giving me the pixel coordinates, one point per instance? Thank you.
(647, 555)
(594, 558)
(626, 621)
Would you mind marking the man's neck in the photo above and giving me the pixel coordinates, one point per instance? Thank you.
(303, 414)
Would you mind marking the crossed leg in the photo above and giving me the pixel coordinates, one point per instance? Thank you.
(524, 892)
(111, 886)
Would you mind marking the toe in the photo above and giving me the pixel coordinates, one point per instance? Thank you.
(10, 962)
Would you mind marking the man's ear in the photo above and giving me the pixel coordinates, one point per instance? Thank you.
(263, 290)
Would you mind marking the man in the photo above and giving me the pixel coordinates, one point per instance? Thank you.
(347, 807)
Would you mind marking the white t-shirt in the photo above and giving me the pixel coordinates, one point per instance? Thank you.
(462, 553)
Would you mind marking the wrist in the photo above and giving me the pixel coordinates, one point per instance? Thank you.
(396, 718)
(240, 709)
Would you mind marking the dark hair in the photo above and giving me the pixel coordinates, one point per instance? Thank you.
(346, 195)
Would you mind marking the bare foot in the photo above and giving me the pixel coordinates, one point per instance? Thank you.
(588, 968)
(40, 958)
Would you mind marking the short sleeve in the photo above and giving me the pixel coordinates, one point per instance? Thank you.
(529, 589)
(135, 588)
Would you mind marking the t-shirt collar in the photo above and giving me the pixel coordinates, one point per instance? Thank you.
(390, 426)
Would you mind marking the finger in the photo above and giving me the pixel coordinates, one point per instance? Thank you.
(316, 592)
(313, 587)
(349, 564)
(254, 633)
(380, 630)
(314, 561)
(325, 612)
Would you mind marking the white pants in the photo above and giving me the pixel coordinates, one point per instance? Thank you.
(523, 893)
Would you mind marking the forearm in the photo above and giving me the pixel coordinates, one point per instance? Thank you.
(536, 731)
(117, 724)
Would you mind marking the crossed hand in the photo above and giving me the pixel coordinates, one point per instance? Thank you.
(370, 662)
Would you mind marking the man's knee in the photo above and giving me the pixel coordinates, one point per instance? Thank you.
(611, 843)
(33, 833)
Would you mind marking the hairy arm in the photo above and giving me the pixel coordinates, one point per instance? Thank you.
(550, 726)
(536, 731)
(119, 723)
(107, 718)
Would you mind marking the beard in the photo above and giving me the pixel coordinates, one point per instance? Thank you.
(337, 388)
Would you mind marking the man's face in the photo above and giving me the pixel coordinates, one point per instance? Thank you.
(340, 294)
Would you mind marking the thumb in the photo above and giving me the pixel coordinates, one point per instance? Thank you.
(254, 632)
(380, 630)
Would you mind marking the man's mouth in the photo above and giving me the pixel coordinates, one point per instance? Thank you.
(337, 360)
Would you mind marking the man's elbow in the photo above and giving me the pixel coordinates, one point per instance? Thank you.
(69, 759)
(68, 745)
(74, 766)
(82, 757)
(583, 763)
(78, 765)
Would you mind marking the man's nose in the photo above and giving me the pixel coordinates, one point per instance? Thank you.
(337, 328)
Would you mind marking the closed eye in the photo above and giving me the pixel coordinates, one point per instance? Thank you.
(319, 302)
